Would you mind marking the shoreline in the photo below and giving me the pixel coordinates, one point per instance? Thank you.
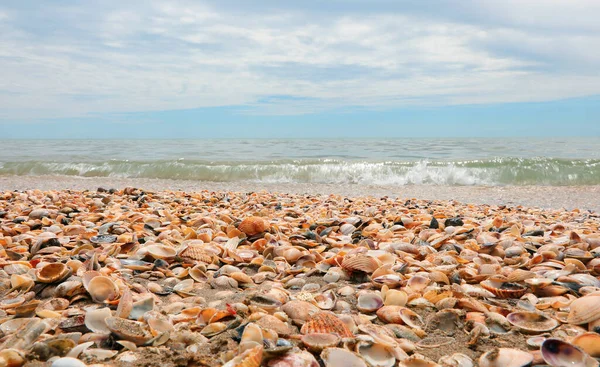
(546, 197)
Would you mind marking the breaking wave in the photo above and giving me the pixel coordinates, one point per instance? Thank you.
(497, 171)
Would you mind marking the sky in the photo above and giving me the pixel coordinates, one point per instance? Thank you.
(275, 68)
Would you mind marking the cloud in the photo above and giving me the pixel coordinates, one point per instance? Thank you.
(77, 59)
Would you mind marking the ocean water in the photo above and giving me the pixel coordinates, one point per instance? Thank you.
(477, 161)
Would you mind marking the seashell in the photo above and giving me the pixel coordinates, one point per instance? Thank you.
(366, 264)
(252, 226)
(584, 310)
(376, 354)
(369, 302)
(273, 323)
(505, 357)
(589, 343)
(532, 322)
(395, 297)
(337, 357)
(196, 253)
(95, 320)
(456, 360)
(160, 251)
(399, 315)
(250, 358)
(125, 304)
(326, 300)
(326, 323)
(299, 311)
(132, 331)
(417, 361)
(139, 308)
(504, 289)
(76, 351)
(316, 342)
(102, 289)
(558, 353)
(213, 329)
(296, 359)
(251, 337)
(52, 273)
(68, 362)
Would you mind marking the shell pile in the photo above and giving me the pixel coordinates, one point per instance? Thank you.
(137, 278)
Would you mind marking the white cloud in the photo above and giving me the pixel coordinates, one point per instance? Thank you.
(188, 55)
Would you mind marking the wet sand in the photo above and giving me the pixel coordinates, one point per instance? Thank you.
(547, 197)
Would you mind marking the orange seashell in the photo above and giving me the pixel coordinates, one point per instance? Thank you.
(252, 226)
(504, 289)
(362, 263)
(326, 323)
(250, 358)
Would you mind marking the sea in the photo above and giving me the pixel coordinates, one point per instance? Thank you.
(405, 161)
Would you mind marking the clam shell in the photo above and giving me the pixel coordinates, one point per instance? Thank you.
(102, 289)
(250, 358)
(161, 251)
(95, 320)
(316, 342)
(558, 353)
(584, 310)
(337, 357)
(369, 302)
(376, 354)
(52, 273)
(505, 357)
(132, 331)
(326, 323)
(589, 343)
(532, 322)
(399, 315)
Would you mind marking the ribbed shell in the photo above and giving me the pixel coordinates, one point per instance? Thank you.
(362, 263)
(326, 323)
(197, 253)
(504, 290)
(253, 225)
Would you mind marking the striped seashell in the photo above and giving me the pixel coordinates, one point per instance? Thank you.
(197, 253)
(362, 263)
(324, 323)
(250, 358)
(252, 226)
(504, 289)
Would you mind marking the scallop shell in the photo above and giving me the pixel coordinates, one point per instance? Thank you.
(196, 253)
(252, 226)
(504, 289)
(532, 322)
(326, 322)
(361, 262)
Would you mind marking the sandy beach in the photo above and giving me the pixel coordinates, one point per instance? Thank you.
(147, 277)
(548, 197)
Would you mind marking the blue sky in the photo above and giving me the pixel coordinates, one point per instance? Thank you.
(273, 68)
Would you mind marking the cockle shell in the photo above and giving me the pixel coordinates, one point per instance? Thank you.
(53, 272)
(326, 322)
(252, 226)
(504, 289)
(102, 289)
(366, 264)
(316, 342)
